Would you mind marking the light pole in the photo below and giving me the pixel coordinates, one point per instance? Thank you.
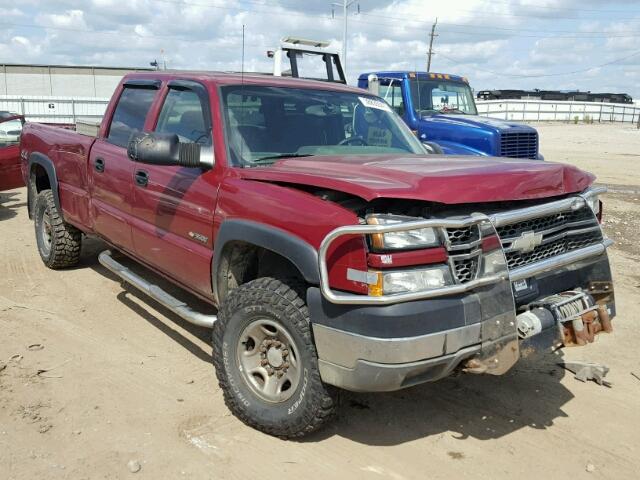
(345, 10)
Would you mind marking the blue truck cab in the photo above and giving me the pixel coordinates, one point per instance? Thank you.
(440, 108)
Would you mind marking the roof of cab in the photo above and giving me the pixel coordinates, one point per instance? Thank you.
(412, 74)
(237, 78)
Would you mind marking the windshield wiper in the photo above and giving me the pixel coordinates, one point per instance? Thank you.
(283, 155)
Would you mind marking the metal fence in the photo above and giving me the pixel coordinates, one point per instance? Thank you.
(65, 110)
(547, 110)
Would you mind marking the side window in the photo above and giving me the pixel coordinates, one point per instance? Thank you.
(182, 114)
(130, 114)
(393, 95)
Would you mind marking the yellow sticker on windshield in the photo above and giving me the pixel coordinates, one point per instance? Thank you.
(379, 137)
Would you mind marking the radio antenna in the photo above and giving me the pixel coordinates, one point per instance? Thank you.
(242, 98)
(242, 66)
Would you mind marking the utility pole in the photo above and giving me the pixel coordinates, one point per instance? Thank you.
(345, 10)
(432, 35)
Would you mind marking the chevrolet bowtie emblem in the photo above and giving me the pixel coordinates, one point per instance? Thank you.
(527, 242)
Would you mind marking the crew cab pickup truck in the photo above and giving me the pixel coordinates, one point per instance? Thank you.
(440, 108)
(337, 253)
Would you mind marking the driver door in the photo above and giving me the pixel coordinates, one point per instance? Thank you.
(173, 206)
(10, 169)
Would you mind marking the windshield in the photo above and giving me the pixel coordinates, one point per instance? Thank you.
(267, 123)
(10, 132)
(442, 96)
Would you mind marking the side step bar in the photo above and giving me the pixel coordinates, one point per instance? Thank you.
(176, 306)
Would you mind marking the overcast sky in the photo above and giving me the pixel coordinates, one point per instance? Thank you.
(495, 43)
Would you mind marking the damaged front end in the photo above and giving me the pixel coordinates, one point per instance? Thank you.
(503, 285)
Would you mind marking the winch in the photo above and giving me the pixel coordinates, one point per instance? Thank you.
(575, 313)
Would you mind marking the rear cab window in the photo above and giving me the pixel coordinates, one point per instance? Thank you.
(130, 113)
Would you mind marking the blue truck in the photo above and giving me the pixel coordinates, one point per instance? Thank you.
(440, 109)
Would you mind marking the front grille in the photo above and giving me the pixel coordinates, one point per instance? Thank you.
(551, 249)
(463, 236)
(519, 144)
(465, 269)
(550, 222)
(561, 233)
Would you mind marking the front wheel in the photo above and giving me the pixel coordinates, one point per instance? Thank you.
(266, 361)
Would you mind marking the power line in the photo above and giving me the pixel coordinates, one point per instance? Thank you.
(580, 9)
(471, 25)
(118, 34)
(558, 74)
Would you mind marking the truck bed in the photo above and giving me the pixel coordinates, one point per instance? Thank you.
(69, 151)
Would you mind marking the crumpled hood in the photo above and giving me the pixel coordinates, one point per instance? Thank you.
(443, 179)
(476, 121)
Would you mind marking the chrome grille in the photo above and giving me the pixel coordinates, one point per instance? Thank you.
(463, 237)
(464, 254)
(519, 144)
(560, 233)
(551, 249)
(465, 269)
(556, 221)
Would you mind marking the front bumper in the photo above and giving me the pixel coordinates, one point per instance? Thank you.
(385, 348)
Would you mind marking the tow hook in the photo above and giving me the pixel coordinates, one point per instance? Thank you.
(475, 365)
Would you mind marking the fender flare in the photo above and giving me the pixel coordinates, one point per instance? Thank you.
(300, 253)
(45, 162)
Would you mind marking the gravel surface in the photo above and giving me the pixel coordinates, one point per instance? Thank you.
(121, 387)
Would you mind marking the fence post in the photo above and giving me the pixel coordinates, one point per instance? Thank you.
(570, 111)
(73, 110)
(600, 114)
(22, 106)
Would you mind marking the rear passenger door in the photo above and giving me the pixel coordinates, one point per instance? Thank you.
(173, 206)
(111, 171)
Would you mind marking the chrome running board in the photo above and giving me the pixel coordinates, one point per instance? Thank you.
(176, 306)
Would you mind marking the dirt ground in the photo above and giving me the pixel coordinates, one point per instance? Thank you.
(123, 380)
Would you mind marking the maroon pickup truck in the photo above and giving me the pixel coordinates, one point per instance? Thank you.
(338, 253)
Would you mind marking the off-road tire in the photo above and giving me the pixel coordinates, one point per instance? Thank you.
(63, 249)
(313, 403)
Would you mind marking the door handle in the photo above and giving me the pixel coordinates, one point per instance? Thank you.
(98, 164)
(142, 178)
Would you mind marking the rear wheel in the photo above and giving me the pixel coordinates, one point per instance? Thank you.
(58, 242)
(266, 361)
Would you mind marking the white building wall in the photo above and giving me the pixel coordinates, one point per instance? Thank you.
(60, 81)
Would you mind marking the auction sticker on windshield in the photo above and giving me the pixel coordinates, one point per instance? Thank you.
(373, 103)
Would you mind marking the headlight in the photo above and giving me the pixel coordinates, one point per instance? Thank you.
(594, 204)
(402, 281)
(423, 237)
